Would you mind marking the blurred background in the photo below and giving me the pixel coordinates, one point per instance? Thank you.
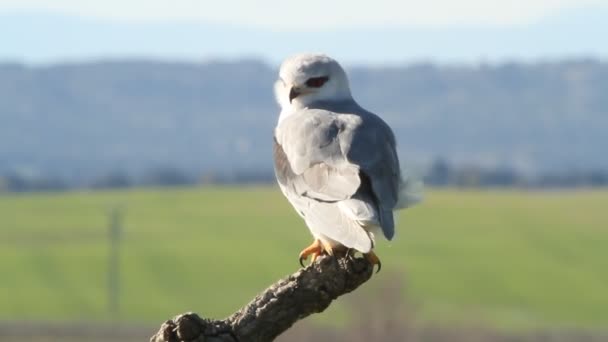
(136, 178)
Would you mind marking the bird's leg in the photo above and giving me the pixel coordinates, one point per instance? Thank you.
(350, 253)
(315, 249)
(373, 259)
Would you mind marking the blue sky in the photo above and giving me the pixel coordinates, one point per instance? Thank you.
(378, 32)
(314, 14)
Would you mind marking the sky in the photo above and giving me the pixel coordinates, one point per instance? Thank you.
(375, 32)
(313, 14)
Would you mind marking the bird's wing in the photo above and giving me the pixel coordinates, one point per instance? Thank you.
(310, 155)
(346, 158)
(373, 150)
(316, 177)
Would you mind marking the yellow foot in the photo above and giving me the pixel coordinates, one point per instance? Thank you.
(373, 259)
(315, 250)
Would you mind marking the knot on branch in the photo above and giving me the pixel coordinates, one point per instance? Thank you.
(309, 290)
(192, 328)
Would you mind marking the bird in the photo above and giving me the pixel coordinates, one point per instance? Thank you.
(336, 162)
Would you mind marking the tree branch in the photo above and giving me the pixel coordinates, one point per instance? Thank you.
(309, 290)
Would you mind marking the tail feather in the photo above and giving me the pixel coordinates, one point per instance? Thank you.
(387, 222)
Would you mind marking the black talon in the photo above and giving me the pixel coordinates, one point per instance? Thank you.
(302, 261)
(379, 266)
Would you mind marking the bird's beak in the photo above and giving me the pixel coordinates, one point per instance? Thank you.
(293, 93)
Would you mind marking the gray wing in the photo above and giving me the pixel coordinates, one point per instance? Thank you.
(318, 180)
(339, 158)
(314, 165)
(373, 150)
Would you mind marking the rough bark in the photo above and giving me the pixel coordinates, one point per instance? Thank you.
(309, 290)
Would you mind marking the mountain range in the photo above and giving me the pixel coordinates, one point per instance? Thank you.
(82, 120)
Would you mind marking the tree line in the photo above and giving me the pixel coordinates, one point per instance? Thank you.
(440, 173)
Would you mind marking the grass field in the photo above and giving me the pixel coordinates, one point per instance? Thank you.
(511, 259)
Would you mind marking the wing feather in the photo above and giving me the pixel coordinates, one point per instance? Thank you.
(313, 149)
(345, 168)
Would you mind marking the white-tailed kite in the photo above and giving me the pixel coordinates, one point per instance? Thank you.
(335, 162)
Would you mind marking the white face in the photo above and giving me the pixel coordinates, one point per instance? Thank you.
(308, 78)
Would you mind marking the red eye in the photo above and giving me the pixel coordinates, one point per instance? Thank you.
(316, 82)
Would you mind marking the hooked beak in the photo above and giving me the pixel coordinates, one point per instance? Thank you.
(293, 93)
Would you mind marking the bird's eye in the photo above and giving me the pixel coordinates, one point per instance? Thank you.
(316, 82)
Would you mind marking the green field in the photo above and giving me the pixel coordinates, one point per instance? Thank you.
(512, 259)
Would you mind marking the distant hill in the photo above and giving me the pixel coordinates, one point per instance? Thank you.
(82, 120)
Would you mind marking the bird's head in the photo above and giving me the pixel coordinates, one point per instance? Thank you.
(308, 78)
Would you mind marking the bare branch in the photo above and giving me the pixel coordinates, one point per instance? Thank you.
(308, 291)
